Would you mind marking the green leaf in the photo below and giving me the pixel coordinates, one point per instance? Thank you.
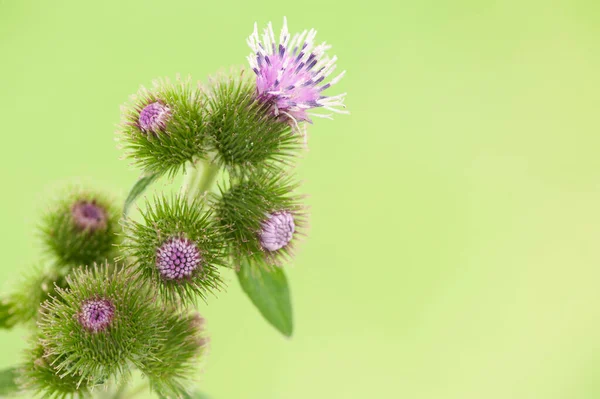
(269, 292)
(138, 189)
(8, 384)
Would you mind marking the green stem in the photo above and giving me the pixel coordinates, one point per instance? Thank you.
(208, 177)
(192, 180)
(199, 179)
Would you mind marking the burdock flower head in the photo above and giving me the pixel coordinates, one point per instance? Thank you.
(291, 74)
(105, 325)
(263, 218)
(80, 229)
(98, 324)
(245, 134)
(177, 247)
(163, 127)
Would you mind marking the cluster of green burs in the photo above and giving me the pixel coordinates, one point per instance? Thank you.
(116, 294)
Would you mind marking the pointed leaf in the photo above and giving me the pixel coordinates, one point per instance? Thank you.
(269, 292)
(138, 189)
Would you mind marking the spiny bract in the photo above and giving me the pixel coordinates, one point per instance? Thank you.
(177, 247)
(163, 127)
(81, 228)
(262, 217)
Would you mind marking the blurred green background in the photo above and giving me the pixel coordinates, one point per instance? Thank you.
(455, 214)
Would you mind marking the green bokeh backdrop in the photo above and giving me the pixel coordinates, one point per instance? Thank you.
(455, 219)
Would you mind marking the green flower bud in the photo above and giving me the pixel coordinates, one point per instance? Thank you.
(99, 327)
(246, 135)
(163, 127)
(36, 286)
(81, 228)
(178, 248)
(176, 361)
(262, 218)
(38, 375)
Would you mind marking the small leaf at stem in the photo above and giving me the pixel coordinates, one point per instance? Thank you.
(138, 189)
(8, 385)
(269, 292)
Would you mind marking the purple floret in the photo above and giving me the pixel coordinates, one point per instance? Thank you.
(177, 258)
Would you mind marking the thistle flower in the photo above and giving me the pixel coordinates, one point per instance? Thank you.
(163, 127)
(291, 74)
(80, 229)
(177, 247)
(101, 324)
(245, 135)
(263, 218)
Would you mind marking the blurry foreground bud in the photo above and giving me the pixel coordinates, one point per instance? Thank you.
(263, 218)
(80, 229)
(177, 248)
(291, 73)
(162, 128)
(245, 135)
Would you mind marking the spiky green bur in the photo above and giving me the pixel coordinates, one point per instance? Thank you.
(246, 209)
(246, 136)
(163, 127)
(36, 286)
(38, 376)
(181, 232)
(93, 344)
(176, 361)
(81, 228)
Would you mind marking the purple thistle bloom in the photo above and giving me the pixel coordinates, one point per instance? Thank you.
(153, 118)
(88, 215)
(177, 258)
(277, 231)
(96, 314)
(290, 74)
